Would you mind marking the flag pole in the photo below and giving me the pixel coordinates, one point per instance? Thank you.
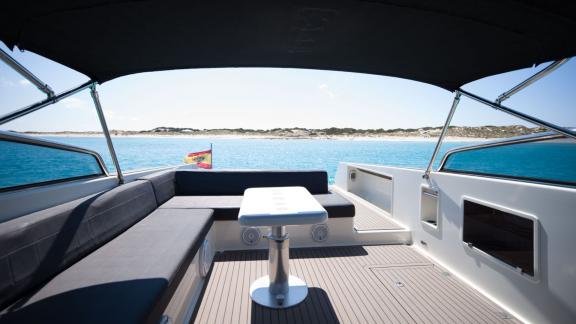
(211, 157)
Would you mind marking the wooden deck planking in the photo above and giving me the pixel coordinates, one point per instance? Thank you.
(434, 296)
(351, 284)
(370, 218)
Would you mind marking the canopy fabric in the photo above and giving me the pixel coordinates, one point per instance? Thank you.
(446, 43)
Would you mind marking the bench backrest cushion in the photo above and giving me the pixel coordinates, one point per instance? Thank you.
(37, 246)
(234, 182)
(130, 279)
(164, 185)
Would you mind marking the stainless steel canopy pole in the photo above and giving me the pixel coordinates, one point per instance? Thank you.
(534, 120)
(544, 72)
(443, 133)
(106, 132)
(11, 62)
(41, 104)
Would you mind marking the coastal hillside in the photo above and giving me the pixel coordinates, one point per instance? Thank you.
(297, 132)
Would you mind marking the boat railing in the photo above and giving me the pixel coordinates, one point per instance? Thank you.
(53, 98)
(30, 140)
(497, 104)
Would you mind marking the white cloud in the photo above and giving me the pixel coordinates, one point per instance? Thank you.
(6, 83)
(113, 115)
(326, 90)
(9, 83)
(24, 83)
(74, 103)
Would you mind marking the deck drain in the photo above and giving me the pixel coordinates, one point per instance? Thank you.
(399, 284)
(504, 315)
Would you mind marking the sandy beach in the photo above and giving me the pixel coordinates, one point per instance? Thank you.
(232, 137)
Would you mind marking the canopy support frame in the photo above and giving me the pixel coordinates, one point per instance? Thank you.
(43, 103)
(539, 75)
(455, 103)
(552, 127)
(497, 104)
(549, 126)
(23, 71)
(55, 98)
(106, 132)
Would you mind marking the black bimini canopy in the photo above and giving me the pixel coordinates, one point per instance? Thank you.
(447, 43)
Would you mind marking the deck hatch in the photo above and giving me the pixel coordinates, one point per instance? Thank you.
(431, 296)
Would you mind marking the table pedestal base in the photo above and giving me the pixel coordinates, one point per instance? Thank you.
(260, 293)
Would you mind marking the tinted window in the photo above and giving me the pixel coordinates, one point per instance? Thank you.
(548, 161)
(26, 164)
(507, 237)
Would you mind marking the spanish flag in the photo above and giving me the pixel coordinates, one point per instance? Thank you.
(202, 159)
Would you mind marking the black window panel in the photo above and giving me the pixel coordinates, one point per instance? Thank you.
(505, 236)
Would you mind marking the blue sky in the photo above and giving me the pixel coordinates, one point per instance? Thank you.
(269, 98)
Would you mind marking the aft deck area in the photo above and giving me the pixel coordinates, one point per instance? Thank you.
(369, 217)
(353, 284)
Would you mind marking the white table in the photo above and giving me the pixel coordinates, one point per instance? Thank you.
(278, 207)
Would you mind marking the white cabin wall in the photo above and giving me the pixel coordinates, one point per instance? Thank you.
(548, 298)
(403, 195)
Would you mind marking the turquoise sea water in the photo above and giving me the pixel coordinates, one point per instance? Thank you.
(139, 153)
(149, 152)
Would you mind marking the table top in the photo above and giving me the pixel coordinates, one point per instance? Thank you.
(277, 206)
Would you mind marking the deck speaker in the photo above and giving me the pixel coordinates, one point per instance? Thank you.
(251, 236)
(353, 175)
(205, 259)
(319, 232)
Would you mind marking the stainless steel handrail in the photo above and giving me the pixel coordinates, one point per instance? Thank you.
(518, 140)
(16, 66)
(24, 139)
(41, 104)
(374, 173)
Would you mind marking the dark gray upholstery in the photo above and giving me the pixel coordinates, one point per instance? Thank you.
(234, 182)
(86, 261)
(227, 207)
(35, 247)
(336, 205)
(164, 185)
(128, 280)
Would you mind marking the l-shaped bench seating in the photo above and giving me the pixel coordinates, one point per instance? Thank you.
(118, 256)
(222, 191)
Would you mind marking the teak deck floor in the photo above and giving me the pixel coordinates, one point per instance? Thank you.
(356, 284)
(367, 219)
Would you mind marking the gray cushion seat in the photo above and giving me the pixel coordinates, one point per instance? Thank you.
(37, 246)
(115, 257)
(222, 190)
(128, 280)
(336, 205)
(227, 207)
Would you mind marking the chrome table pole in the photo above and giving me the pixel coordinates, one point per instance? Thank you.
(278, 263)
(278, 289)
